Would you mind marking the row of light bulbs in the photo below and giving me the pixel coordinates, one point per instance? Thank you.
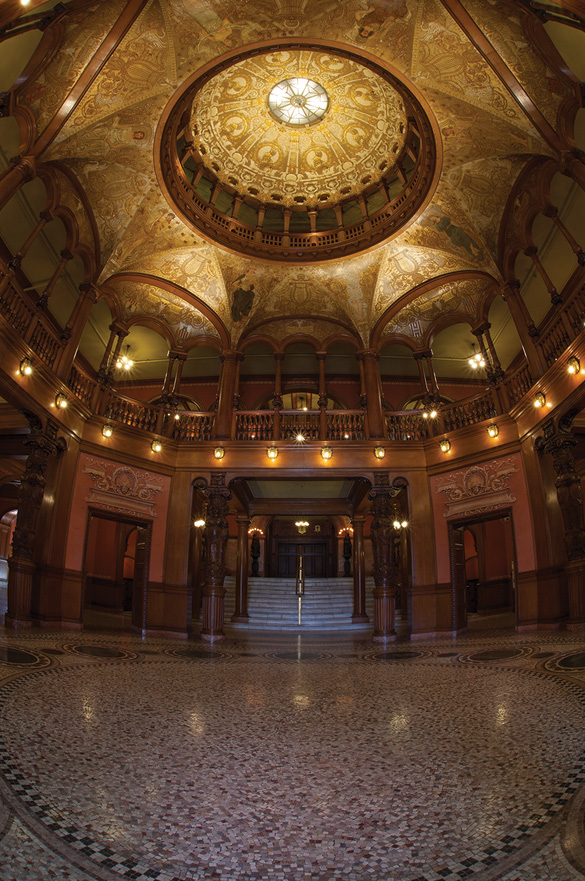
(492, 430)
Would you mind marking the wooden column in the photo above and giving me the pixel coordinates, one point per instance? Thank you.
(216, 537)
(359, 572)
(322, 397)
(181, 358)
(578, 251)
(74, 328)
(277, 397)
(227, 388)
(170, 610)
(16, 261)
(432, 375)
(382, 534)
(20, 170)
(510, 294)
(121, 334)
(558, 440)
(555, 297)
(43, 300)
(21, 567)
(240, 615)
(373, 389)
(419, 357)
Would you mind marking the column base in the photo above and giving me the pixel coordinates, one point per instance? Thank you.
(360, 619)
(240, 619)
(212, 637)
(12, 623)
(390, 638)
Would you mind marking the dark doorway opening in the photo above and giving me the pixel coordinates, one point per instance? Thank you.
(115, 571)
(314, 557)
(483, 571)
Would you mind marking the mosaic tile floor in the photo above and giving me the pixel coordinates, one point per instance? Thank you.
(284, 757)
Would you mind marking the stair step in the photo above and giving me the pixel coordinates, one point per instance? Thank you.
(273, 604)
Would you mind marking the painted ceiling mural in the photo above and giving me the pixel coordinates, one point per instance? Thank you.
(415, 319)
(109, 142)
(141, 299)
(362, 130)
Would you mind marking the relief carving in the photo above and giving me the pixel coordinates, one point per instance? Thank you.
(479, 488)
(121, 488)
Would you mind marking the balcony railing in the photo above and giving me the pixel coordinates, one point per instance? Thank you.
(462, 413)
(40, 332)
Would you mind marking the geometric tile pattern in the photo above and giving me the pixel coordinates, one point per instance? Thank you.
(291, 758)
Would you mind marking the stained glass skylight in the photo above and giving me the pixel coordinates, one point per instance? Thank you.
(298, 101)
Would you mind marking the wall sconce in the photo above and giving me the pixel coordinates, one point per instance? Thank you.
(493, 430)
(272, 452)
(400, 524)
(302, 525)
(199, 524)
(25, 368)
(219, 452)
(107, 430)
(61, 401)
(445, 445)
(429, 414)
(326, 452)
(177, 417)
(573, 365)
(379, 452)
(156, 446)
(539, 399)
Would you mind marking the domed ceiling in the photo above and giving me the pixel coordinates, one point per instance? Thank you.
(452, 97)
(359, 136)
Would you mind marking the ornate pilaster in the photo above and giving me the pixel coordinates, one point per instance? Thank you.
(41, 445)
(216, 537)
(557, 440)
(241, 611)
(359, 572)
(373, 392)
(384, 572)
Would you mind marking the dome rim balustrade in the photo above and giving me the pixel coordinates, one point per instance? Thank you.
(315, 246)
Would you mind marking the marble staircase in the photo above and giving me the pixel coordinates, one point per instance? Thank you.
(273, 604)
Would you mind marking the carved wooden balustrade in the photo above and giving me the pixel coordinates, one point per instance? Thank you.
(82, 385)
(517, 384)
(136, 414)
(255, 425)
(406, 425)
(259, 425)
(346, 425)
(17, 311)
(192, 426)
(462, 413)
(36, 328)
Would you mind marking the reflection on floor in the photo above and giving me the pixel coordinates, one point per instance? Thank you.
(285, 757)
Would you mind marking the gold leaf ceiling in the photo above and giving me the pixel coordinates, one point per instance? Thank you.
(361, 133)
(109, 143)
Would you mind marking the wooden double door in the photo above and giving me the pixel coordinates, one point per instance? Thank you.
(314, 556)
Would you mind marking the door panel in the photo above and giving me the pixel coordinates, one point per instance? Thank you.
(458, 578)
(314, 554)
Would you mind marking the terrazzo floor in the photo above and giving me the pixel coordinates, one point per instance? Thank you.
(285, 757)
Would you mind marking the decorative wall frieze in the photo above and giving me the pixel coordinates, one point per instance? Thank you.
(122, 488)
(478, 489)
